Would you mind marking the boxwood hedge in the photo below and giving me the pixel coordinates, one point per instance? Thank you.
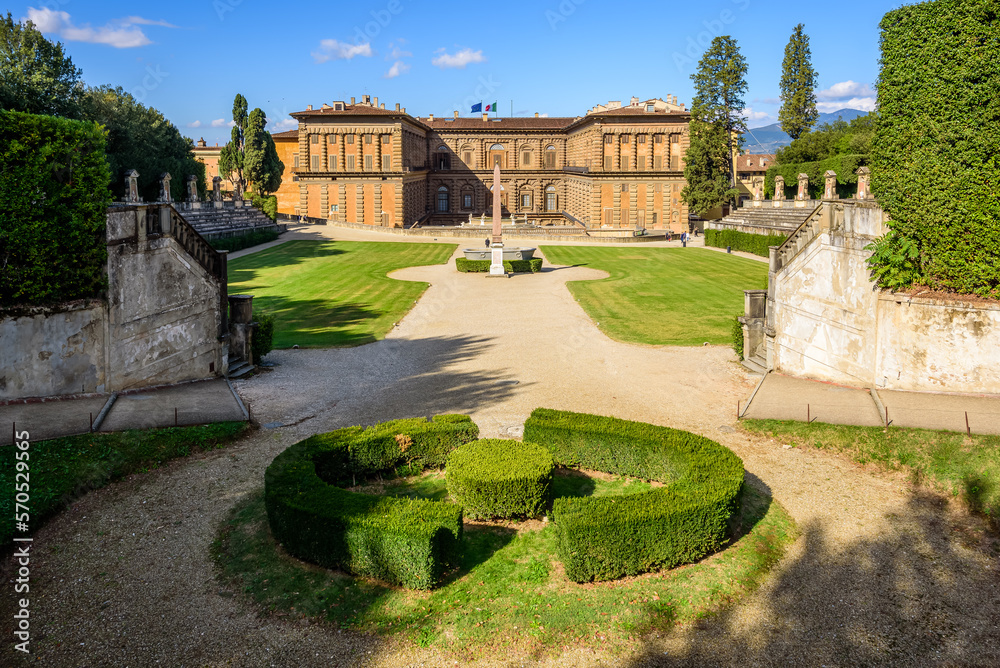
(399, 541)
(603, 538)
(534, 265)
(500, 478)
(758, 244)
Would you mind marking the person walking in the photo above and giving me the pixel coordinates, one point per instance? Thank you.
(487, 242)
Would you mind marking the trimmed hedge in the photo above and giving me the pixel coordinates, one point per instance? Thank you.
(935, 164)
(400, 541)
(500, 478)
(245, 240)
(53, 207)
(757, 244)
(603, 538)
(534, 265)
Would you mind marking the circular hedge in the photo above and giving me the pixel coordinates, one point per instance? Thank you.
(400, 541)
(495, 478)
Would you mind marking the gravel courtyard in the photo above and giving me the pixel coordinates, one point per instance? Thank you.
(884, 573)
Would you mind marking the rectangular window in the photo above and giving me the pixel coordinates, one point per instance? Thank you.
(368, 139)
(640, 220)
(642, 162)
(654, 219)
(550, 160)
(674, 139)
(350, 139)
(368, 163)
(642, 139)
(467, 158)
(625, 139)
(609, 217)
(335, 208)
(314, 139)
(673, 164)
(387, 162)
(624, 187)
(295, 160)
(525, 200)
(608, 139)
(650, 107)
(315, 163)
(333, 163)
(525, 159)
(467, 201)
(658, 163)
(657, 139)
(386, 139)
(350, 163)
(657, 187)
(607, 163)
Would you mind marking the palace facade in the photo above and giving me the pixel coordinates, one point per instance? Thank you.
(616, 166)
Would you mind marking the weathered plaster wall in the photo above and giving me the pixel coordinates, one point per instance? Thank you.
(943, 345)
(53, 351)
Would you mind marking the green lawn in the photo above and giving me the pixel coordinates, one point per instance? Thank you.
(510, 594)
(333, 293)
(672, 296)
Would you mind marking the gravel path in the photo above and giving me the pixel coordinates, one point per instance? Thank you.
(882, 574)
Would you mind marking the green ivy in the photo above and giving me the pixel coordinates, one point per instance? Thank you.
(845, 166)
(738, 337)
(53, 209)
(936, 150)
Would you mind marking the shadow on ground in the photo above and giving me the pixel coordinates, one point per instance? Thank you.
(920, 595)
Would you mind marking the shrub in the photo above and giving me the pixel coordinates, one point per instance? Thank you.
(533, 265)
(263, 335)
(738, 337)
(604, 538)
(934, 154)
(500, 478)
(400, 541)
(268, 204)
(246, 240)
(53, 207)
(757, 244)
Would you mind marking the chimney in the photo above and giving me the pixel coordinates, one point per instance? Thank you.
(402, 110)
(376, 102)
(456, 114)
(352, 100)
(383, 106)
(397, 106)
(309, 107)
(431, 117)
(486, 117)
(536, 114)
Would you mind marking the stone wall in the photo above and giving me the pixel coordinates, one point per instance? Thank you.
(826, 320)
(162, 322)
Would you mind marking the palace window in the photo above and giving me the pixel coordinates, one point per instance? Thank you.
(607, 163)
(368, 139)
(674, 139)
(467, 158)
(386, 139)
(642, 162)
(526, 159)
(295, 160)
(387, 162)
(657, 139)
(625, 139)
(658, 162)
(550, 198)
(641, 139)
(350, 139)
(650, 107)
(442, 200)
(314, 139)
(525, 200)
(673, 164)
(550, 157)
(350, 163)
(315, 163)
(368, 163)
(466, 200)
(608, 139)
(332, 138)
(624, 187)
(338, 106)
(333, 163)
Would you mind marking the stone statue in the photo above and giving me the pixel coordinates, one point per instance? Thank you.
(132, 186)
(803, 187)
(779, 188)
(217, 188)
(192, 188)
(863, 175)
(165, 187)
(830, 187)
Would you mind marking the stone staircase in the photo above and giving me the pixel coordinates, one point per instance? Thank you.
(765, 219)
(215, 223)
(238, 367)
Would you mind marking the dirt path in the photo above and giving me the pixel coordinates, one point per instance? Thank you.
(880, 576)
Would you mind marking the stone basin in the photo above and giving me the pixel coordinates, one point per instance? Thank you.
(509, 253)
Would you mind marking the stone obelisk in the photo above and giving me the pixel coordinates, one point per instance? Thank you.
(496, 258)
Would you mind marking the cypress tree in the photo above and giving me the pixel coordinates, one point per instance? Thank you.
(798, 86)
(717, 123)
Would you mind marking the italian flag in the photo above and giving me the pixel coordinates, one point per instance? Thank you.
(491, 107)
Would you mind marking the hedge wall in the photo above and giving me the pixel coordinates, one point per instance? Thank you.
(500, 478)
(603, 538)
(533, 265)
(53, 206)
(846, 167)
(936, 150)
(400, 541)
(757, 244)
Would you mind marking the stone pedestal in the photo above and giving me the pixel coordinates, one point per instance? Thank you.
(241, 326)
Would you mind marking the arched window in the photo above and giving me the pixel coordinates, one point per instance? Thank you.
(442, 200)
(550, 198)
(550, 157)
(442, 159)
(442, 149)
(496, 147)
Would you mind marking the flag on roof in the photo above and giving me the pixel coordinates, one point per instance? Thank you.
(477, 107)
(491, 107)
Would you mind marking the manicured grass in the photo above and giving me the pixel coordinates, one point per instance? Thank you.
(333, 293)
(62, 470)
(672, 296)
(510, 594)
(964, 466)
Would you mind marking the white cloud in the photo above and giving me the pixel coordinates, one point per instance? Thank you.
(218, 123)
(282, 125)
(395, 53)
(458, 60)
(331, 49)
(755, 115)
(398, 67)
(543, 115)
(862, 103)
(119, 33)
(845, 90)
(194, 124)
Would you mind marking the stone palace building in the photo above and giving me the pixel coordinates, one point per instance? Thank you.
(616, 166)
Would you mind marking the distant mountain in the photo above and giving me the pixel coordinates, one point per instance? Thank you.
(770, 138)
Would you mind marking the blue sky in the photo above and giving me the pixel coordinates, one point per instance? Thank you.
(188, 58)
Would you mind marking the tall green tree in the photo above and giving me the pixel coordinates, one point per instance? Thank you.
(36, 76)
(798, 111)
(232, 157)
(717, 124)
(140, 138)
(261, 163)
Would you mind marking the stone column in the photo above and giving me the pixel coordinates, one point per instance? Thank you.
(192, 188)
(863, 175)
(830, 187)
(165, 187)
(132, 187)
(779, 191)
(803, 194)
